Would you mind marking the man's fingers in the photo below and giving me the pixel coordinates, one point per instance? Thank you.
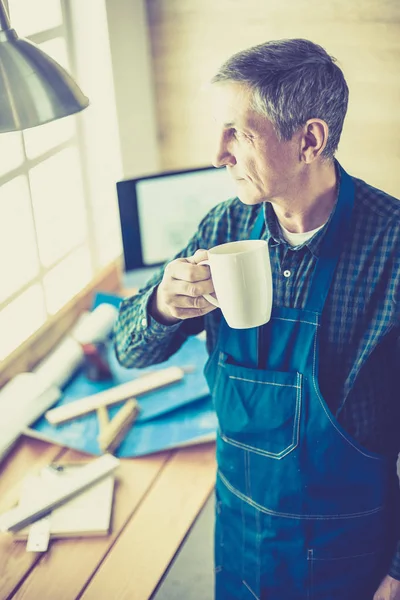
(389, 589)
(191, 289)
(199, 256)
(189, 313)
(187, 302)
(183, 270)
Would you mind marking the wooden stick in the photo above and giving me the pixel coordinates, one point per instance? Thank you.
(103, 418)
(119, 393)
(113, 434)
(96, 470)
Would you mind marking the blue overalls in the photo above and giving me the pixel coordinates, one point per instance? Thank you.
(302, 510)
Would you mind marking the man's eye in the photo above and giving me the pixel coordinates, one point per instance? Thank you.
(235, 134)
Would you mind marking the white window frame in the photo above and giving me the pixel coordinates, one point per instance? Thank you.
(76, 141)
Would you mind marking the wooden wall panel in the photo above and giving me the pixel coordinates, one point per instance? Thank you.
(191, 38)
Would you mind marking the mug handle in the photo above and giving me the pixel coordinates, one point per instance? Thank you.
(208, 297)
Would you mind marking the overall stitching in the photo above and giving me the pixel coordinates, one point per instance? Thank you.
(292, 515)
(316, 388)
(297, 321)
(262, 382)
(246, 457)
(258, 542)
(312, 559)
(250, 590)
(243, 536)
(346, 557)
(220, 541)
(311, 573)
(299, 402)
(279, 456)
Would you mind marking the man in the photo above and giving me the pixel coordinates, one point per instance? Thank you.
(307, 492)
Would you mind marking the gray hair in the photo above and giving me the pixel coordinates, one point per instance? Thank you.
(292, 81)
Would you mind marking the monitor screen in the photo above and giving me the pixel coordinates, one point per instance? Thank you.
(159, 213)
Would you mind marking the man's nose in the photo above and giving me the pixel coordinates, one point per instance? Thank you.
(223, 157)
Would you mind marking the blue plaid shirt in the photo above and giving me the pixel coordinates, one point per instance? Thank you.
(360, 328)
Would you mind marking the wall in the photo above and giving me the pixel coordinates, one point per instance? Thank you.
(190, 38)
(134, 86)
(97, 125)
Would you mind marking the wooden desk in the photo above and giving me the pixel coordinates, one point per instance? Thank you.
(157, 498)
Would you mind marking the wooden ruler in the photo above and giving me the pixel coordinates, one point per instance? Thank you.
(119, 393)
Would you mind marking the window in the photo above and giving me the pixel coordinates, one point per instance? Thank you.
(58, 208)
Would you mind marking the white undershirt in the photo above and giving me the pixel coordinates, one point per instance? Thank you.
(297, 239)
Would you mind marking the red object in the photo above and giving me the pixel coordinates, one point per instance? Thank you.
(96, 365)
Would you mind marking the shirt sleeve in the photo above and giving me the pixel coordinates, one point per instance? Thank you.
(139, 340)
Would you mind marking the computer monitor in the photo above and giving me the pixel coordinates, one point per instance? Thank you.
(159, 213)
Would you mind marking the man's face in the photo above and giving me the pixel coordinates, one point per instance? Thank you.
(263, 167)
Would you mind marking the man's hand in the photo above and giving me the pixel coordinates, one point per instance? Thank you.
(389, 589)
(180, 293)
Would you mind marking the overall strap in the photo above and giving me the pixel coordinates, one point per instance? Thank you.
(331, 245)
(256, 232)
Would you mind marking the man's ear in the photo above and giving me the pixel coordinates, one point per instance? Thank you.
(313, 139)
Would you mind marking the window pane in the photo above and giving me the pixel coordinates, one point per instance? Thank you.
(20, 319)
(31, 16)
(11, 151)
(39, 140)
(67, 279)
(19, 261)
(58, 203)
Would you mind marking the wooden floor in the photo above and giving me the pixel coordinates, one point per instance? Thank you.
(157, 499)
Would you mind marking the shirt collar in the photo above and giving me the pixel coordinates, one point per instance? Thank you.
(274, 232)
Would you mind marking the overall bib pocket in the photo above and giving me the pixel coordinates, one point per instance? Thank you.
(258, 410)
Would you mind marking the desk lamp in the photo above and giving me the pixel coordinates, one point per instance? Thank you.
(34, 89)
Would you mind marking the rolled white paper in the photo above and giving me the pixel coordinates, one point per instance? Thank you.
(23, 400)
(62, 362)
(59, 366)
(97, 325)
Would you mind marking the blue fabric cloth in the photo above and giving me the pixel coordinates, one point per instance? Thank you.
(303, 511)
(359, 334)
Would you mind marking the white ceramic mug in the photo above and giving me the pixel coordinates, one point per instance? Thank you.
(242, 279)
